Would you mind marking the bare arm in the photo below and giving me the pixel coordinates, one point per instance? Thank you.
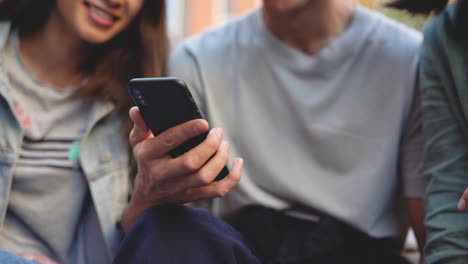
(446, 151)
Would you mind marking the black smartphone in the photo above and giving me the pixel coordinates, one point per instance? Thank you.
(166, 102)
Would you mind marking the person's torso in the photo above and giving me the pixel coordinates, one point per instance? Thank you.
(322, 131)
(54, 159)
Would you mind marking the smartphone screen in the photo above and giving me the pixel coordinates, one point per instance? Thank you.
(164, 103)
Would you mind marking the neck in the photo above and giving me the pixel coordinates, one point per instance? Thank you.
(312, 27)
(53, 54)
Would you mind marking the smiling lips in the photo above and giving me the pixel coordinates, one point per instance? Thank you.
(99, 16)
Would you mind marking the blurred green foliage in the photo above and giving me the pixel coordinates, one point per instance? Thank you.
(414, 21)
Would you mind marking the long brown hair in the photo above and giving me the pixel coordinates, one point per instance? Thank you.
(140, 50)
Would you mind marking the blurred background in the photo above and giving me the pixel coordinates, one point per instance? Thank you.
(188, 17)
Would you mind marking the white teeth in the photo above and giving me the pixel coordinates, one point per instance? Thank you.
(101, 13)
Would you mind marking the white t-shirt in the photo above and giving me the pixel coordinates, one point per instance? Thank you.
(334, 131)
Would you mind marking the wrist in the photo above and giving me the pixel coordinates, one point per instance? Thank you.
(131, 215)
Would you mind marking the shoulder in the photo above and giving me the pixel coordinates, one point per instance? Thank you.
(440, 27)
(444, 50)
(391, 37)
(441, 39)
(389, 26)
(216, 41)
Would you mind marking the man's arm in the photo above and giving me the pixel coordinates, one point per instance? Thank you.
(445, 157)
(412, 168)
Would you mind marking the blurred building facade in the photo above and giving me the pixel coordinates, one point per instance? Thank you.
(189, 17)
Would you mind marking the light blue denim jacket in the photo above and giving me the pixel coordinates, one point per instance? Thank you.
(444, 68)
(104, 157)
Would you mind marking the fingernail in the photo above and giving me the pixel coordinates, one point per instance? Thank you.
(216, 131)
(238, 162)
(462, 204)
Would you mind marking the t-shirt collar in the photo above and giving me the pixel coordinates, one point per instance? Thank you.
(340, 49)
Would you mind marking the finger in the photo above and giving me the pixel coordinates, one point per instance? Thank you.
(140, 130)
(463, 202)
(218, 188)
(194, 159)
(171, 138)
(208, 171)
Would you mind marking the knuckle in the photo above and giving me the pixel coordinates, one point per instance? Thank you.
(137, 152)
(235, 178)
(203, 178)
(212, 144)
(222, 191)
(169, 140)
(141, 153)
(190, 164)
(224, 156)
(132, 137)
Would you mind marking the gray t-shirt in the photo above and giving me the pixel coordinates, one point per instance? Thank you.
(335, 131)
(49, 210)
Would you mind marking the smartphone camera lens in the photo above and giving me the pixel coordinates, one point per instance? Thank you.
(139, 97)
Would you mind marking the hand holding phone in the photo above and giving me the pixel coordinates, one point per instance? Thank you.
(164, 103)
(162, 180)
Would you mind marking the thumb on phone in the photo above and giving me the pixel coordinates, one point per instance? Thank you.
(140, 130)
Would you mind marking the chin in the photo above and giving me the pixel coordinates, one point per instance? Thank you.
(96, 38)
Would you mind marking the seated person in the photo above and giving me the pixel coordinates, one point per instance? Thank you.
(320, 98)
(444, 67)
(64, 150)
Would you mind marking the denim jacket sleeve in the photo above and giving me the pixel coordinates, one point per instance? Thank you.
(446, 144)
